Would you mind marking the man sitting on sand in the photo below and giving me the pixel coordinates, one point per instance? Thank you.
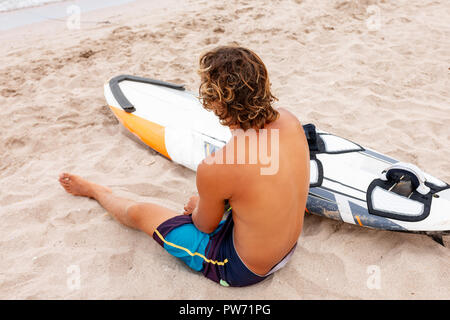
(263, 212)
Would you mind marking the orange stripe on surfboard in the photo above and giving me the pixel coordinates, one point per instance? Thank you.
(359, 221)
(152, 134)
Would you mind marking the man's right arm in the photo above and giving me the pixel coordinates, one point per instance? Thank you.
(210, 207)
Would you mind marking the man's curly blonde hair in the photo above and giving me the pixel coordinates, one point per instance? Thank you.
(235, 86)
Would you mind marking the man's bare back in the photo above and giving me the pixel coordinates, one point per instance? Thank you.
(268, 210)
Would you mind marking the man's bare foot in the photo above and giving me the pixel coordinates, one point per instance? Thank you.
(78, 186)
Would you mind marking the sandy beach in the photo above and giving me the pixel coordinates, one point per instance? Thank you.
(375, 72)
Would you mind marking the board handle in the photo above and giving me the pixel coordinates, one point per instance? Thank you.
(125, 104)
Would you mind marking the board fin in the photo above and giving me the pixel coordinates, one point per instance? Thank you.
(438, 239)
(442, 238)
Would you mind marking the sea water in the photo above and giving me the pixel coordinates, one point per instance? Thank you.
(32, 11)
(7, 5)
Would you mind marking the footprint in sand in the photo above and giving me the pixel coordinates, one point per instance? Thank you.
(121, 263)
(9, 93)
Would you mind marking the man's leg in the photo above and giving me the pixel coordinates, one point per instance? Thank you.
(142, 216)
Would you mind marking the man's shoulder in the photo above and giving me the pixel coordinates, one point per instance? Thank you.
(287, 119)
(217, 177)
(213, 165)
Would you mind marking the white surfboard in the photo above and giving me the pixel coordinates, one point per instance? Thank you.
(349, 182)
